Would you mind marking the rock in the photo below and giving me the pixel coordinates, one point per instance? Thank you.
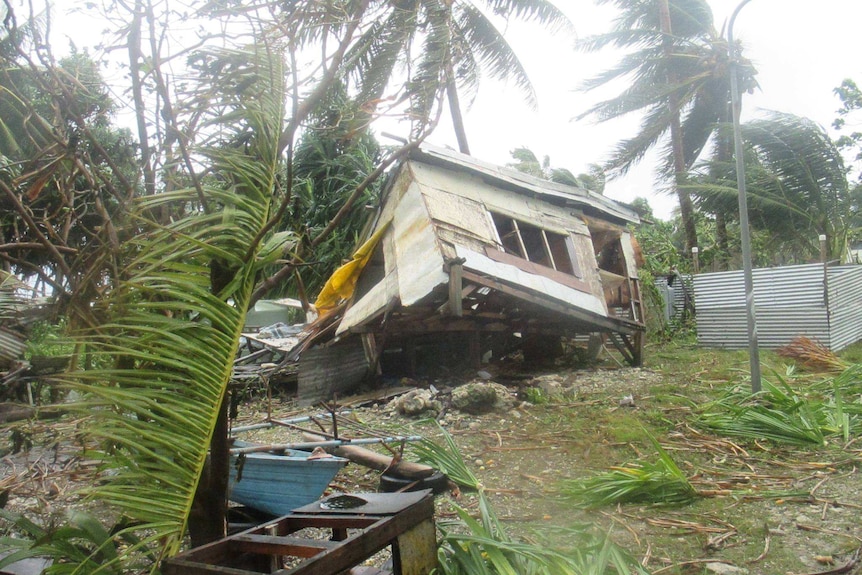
(484, 375)
(416, 402)
(725, 569)
(551, 385)
(627, 401)
(482, 397)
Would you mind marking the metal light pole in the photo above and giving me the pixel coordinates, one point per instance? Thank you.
(753, 351)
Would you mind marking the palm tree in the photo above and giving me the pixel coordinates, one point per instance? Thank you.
(169, 326)
(679, 78)
(797, 181)
(527, 162)
(443, 44)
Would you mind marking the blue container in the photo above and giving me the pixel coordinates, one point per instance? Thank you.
(276, 483)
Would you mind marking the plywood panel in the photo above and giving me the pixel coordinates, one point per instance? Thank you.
(459, 212)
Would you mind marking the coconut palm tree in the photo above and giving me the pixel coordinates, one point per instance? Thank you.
(527, 162)
(797, 181)
(168, 324)
(678, 72)
(443, 44)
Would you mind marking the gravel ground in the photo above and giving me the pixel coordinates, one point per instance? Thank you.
(522, 451)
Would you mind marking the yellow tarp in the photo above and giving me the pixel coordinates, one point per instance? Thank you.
(342, 282)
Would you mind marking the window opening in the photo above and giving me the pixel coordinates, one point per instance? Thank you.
(537, 245)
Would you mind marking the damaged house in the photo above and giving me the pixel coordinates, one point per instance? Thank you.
(465, 261)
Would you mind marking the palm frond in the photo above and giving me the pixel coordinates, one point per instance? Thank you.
(660, 482)
(171, 332)
(781, 414)
(482, 546)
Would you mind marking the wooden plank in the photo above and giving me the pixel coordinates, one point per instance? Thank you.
(297, 521)
(178, 566)
(593, 321)
(366, 543)
(539, 270)
(415, 550)
(280, 545)
(456, 303)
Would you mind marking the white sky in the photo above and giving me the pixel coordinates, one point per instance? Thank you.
(802, 50)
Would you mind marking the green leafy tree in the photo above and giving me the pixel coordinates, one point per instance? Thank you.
(65, 170)
(677, 77)
(331, 160)
(851, 102)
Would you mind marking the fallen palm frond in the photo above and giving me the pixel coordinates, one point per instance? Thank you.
(660, 482)
(482, 546)
(781, 414)
(812, 354)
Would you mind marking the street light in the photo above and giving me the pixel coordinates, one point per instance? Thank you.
(753, 352)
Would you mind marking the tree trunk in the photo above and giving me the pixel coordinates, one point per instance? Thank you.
(724, 155)
(686, 207)
(721, 239)
(208, 517)
(455, 111)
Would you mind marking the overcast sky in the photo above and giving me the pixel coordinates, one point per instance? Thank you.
(802, 50)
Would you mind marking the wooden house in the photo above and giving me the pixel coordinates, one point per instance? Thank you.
(479, 258)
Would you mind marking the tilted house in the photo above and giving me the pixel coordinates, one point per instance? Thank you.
(465, 252)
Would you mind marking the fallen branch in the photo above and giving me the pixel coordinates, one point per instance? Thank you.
(805, 527)
(377, 461)
(765, 547)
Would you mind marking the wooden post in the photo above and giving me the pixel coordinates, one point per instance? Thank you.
(456, 287)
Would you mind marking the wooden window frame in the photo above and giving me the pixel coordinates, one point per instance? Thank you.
(500, 219)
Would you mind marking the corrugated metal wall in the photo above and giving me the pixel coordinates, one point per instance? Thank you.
(789, 301)
(674, 297)
(326, 371)
(12, 346)
(845, 305)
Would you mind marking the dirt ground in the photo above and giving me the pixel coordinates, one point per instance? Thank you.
(764, 509)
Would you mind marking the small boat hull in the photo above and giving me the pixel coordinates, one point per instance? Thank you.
(276, 483)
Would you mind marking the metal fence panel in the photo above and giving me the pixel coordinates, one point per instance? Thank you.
(845, 305)
(789, 301)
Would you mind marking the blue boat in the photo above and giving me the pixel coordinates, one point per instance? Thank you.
(276, 483)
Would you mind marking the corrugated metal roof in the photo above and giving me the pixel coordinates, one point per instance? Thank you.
(519, 180)
(12, 345)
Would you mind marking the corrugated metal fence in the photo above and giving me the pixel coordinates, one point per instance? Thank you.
(789, 301)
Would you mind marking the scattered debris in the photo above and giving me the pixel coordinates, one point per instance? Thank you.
(482, 397)
(417, 402)
(725, 569)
